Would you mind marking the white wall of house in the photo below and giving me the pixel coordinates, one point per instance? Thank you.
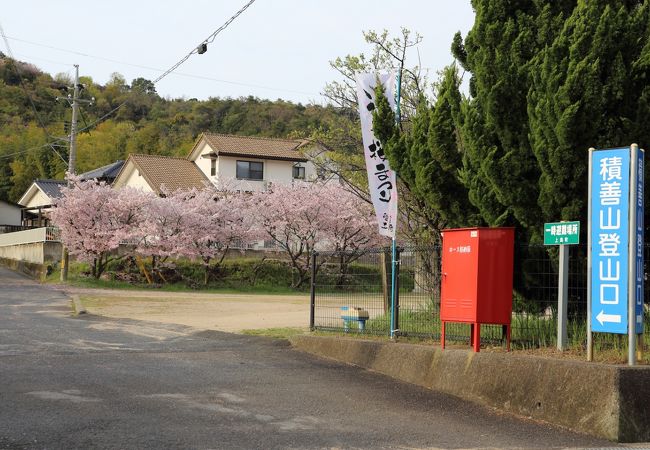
(274, 172)
(9, 214)
(204, 163)
(132, 178)
(37, 199)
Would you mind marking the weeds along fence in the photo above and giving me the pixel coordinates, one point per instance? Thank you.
(357, 287)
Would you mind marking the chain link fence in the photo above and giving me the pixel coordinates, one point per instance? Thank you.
(352, 293)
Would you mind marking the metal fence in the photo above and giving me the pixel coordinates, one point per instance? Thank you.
(351, 293)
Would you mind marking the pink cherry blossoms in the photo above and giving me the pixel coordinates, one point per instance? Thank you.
(95, 220)
(305, 217)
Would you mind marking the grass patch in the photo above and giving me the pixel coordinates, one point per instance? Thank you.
(234, 275)
(226, 284)
(531, 333)
(277, 333)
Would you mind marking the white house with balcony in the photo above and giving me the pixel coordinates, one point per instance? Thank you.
(251, 163)
(236, 162)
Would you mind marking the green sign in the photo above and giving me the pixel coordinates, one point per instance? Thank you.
(561, 233)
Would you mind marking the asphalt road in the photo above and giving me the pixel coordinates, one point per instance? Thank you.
(90, 382)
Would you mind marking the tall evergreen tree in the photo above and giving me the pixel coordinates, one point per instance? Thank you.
(589, 89)
(427, 157)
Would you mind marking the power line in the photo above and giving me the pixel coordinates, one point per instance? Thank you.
(31, 101)
(155, 69)
(209, 39)
(202, 47)
(206, 41)
(20, 152)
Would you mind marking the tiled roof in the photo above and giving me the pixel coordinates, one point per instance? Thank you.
(255, 147)
(107, 172)
(173, 173)
(51, 188)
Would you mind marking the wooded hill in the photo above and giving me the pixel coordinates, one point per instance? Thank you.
(31, 117)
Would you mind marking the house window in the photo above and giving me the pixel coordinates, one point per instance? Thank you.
(298, 173)
(213, 167)
(250, 170)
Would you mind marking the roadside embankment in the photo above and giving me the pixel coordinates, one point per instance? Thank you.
(36, 271)
(608, 401)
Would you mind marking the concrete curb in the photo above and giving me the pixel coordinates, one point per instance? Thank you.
(603, 400)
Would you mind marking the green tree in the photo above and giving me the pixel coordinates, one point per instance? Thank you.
(427, 156)
(589, 90)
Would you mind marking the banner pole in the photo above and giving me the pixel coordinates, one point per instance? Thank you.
(590, 342)
(631, 313)
(398, 119)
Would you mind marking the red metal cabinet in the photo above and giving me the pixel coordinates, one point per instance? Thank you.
(477, 267)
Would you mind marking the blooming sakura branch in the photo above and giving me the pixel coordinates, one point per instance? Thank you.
(203, 224)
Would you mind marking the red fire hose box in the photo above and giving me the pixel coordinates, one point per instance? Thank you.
(476, 288)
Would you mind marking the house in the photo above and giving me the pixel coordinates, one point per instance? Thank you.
(251, 163)
(11, 216)
(40, 195)
(150, 173)
(38, 198)
(105, 173)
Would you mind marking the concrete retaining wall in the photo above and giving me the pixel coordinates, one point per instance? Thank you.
(35, 252)
(603, 400)
(33, 270)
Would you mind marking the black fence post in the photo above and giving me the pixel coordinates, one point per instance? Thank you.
(397, 265)
(312, 306)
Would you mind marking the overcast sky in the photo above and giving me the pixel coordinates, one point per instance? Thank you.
(275, 49)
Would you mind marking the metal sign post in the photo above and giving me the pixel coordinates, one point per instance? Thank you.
(562, 234)
(615, 250)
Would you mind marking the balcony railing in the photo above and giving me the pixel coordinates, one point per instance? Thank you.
(14, 228)
(30, 236)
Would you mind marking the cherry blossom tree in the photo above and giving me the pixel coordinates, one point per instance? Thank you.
(349, 224)
(303, 216)
(200, 224)
(94, 219)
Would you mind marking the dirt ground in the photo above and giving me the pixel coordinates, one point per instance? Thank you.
(223, 312)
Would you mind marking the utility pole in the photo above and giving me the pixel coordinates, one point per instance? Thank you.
(72, 158)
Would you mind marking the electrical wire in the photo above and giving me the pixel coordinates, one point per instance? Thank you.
(155, 69)
(31, 101)
(209, 39)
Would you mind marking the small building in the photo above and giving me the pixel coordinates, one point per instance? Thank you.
(106, 173)
(150, 173)
(11, 216)
(251, 163)
(37, 199)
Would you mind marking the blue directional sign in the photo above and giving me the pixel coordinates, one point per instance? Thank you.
(616, 250)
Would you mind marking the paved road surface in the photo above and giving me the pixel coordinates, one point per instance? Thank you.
(91, 382)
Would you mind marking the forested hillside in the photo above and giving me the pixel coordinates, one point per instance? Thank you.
(31, 117)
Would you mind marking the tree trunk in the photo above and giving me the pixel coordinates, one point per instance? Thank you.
(343, 271)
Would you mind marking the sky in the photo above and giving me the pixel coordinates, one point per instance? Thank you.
(275, 49)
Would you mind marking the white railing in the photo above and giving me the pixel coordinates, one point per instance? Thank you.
(42, 234)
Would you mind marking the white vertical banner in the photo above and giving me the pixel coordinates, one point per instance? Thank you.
(381, 179)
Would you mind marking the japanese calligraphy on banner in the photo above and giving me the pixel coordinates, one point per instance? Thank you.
(616, 248)
(381, 179)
